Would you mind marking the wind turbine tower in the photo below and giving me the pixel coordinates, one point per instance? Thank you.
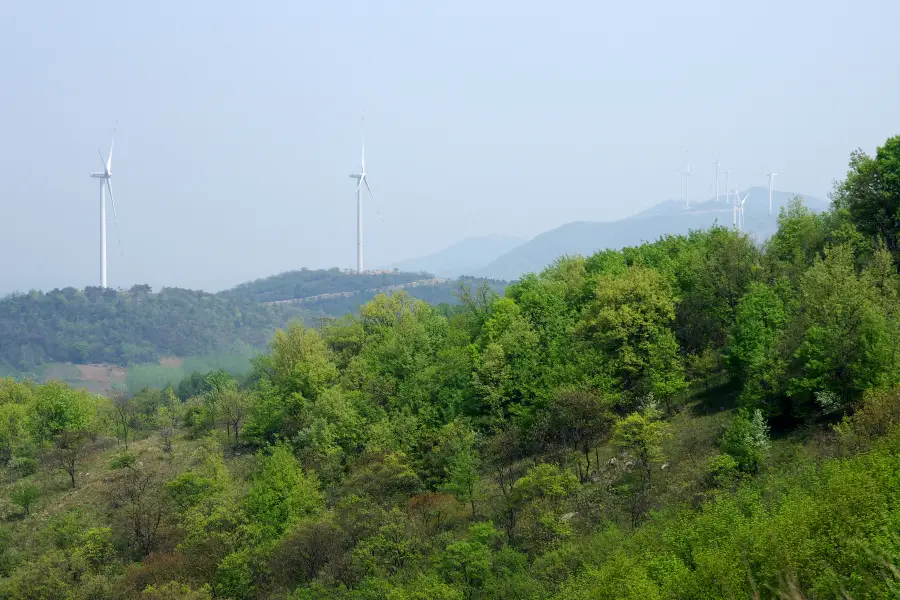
(717, 180)
(740, 208)
(105, 177)
(771, 187)
(361, 177)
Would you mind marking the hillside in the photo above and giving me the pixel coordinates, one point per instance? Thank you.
(463, 258)
(122, 328)
(689, 419)
(316, 282)
(335, 293)
(432, 291)
(667, 218)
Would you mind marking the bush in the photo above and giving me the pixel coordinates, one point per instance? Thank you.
(722, 470)
(747, 440)
(23, 466)
(123, 461)
(25, 495)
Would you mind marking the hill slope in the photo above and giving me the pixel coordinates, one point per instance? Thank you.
(106, 326)
(307, 282)
(667, 218)
(462, 258)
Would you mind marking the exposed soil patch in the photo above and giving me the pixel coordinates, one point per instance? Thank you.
(171, 361)
(101, 377)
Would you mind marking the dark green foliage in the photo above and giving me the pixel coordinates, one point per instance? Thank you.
(106, 326)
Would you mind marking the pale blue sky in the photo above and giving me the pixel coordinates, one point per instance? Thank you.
(239, 122)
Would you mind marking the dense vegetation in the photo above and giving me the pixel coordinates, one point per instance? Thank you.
(109, 326)
(312, 282)
(694, 418)
(446, 292)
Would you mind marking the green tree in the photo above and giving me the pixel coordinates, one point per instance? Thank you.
(871, 194)
(843, 347)
(628, 318)
(280, 492)
(747, 440)
(25, 495)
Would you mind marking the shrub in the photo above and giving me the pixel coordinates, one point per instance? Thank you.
(25, 495)
(23, 466)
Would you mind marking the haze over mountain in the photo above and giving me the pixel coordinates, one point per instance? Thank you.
(462, 258)
(667, 218)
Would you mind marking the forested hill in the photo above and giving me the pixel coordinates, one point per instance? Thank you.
(109, 326)
(335, 292)
(316, 282)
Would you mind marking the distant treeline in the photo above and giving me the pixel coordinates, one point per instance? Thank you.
(108, 326)
(442, 293)
(306, 282)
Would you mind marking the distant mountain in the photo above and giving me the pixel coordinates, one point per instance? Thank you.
(669, 217)
(462, 258)
(96, 325)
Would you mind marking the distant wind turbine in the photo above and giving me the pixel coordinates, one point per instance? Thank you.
(727, 193)
(717, 180)
(105, 178)
(740, 208)
(687, 181)
(361, 176)
(771, 186)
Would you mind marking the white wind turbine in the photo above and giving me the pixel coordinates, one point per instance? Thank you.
(771, 186)
(739, 206)
(361, 176)
(105, 178)
(717, 180)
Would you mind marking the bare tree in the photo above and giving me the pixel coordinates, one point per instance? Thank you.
(66, 453)
(142, 493)
(123, 415)
(231, 406)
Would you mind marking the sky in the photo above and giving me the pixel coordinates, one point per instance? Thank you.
(239, 122)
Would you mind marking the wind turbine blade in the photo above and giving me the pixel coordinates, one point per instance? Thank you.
(115, 216)
(359, 185)
(109, 160)
(102, 162)
(375, 204)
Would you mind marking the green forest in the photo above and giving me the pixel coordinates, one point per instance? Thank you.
(126, 327)
(312, 282)
(700, 417)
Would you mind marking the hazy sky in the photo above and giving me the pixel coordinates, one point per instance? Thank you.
(239, 122)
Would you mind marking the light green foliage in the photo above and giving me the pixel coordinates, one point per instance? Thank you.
(299, 363)
(25, 495)
(299, 367)
(234, 576)
(641, 434)
(626, 322)
(12, 428)
(843, 348)
(175, 591)
(57, 408)
(95, 547)
(747, 440)
(281, 493)
(457, 451)
(540, 498)
(753, 357)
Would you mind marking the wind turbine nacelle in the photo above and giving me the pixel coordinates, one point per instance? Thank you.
(98, 175)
